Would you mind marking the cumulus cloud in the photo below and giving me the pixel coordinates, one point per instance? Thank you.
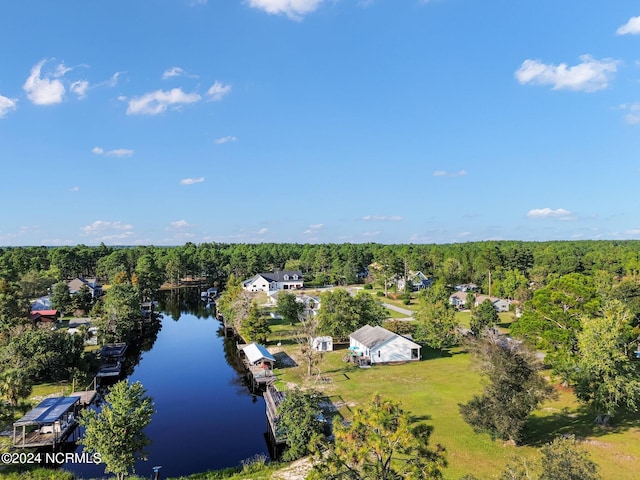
(7, 105)
(262, 231)
(633, 113)
(45, 89)
(118, 152)
(218, 91)
(294, 9)
(589, 75)
(560, 213)
(191, 181)
(442, 173)
(157, 102)
(632, 27)
(228, 138)
(382, 218)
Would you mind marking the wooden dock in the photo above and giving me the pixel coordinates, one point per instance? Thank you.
(258, 376)
(272, 399)
(86, 398)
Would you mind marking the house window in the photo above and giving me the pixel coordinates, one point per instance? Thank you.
(415, 353)
(295, 277)
(378, 353)
(286, 277)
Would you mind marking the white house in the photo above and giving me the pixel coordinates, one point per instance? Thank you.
(380, 345)
(419, 281)
(269, 282)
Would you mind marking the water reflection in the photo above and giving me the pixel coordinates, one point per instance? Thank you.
(205, 416)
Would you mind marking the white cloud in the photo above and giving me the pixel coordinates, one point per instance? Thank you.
(172, 72)
(442, 173)
(228, 138)
(371, 234)
(80, 88)
(157, 102)
(589, 76)
(313, 228)
(217, 91)
(118, 152)
(633, 231)
(44, 90)
(632, 27)
(262, 231)
(7, 105)
(294, 9)
(101, 227)
(382, 218)
(74, 189)
(548, 213)
(633, 115)
(191, 181)
(179, 225)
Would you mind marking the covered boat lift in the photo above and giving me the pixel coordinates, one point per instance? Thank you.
(48, 424)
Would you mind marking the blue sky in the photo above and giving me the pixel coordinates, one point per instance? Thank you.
(392, 121)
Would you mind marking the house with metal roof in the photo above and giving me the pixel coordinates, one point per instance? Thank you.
(379, 345)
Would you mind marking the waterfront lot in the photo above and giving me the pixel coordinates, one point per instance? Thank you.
(433, 388)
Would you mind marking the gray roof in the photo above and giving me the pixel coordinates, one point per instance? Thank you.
(277, 276)
(371, 336)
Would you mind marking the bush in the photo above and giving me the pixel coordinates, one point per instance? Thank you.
(406, 301)
(380, 294)
(368, 286)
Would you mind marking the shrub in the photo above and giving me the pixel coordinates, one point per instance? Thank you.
(368, 286)
(380, 294)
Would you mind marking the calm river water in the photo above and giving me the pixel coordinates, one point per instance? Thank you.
(205, 416)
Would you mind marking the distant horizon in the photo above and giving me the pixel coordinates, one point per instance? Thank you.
(315, 121)
(603, 240)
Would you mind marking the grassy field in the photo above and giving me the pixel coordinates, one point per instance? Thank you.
(433, 388)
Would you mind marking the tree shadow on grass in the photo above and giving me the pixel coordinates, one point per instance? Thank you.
(283, 360)
(542, 429)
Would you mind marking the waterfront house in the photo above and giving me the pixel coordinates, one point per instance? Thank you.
(270, 282)
(379, 345)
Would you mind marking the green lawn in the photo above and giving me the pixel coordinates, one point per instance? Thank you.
(433, 388)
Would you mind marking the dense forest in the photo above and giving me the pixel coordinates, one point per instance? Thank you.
(513, 266)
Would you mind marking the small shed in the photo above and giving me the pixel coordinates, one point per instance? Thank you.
(323, 344)
(258, 355)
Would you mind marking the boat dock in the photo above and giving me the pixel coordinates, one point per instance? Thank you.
(272, 399)
(49, 424)
(258, 364)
